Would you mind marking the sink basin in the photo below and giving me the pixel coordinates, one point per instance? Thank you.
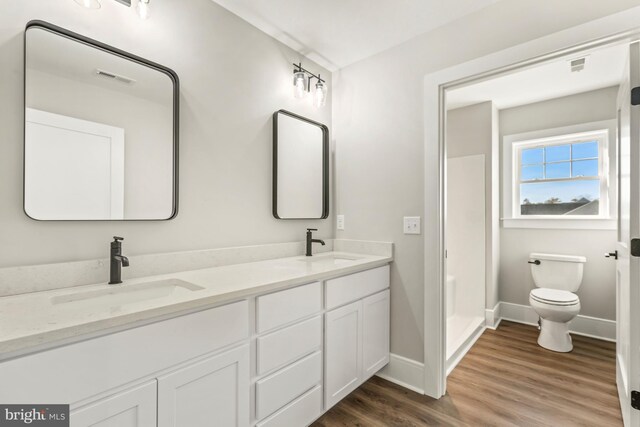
(329, 259)
(117, 295)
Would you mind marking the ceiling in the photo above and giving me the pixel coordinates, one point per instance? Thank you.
(336, 33)
(603, 68)
(50, 53)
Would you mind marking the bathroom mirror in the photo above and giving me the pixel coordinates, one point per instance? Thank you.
(101, 131)
(300, 167)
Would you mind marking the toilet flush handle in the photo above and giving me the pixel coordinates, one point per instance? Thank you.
(613, 255)
(536, 262)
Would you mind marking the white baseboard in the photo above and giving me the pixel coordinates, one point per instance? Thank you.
(404, 372)
(492, 317)
(603, 329)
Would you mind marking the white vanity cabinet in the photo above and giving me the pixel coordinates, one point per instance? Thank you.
(276, 359)
(343, 350)
(176, 368)
(131, 408)
(289, 357)
(356, 334)
(376, 324)
(214, 391)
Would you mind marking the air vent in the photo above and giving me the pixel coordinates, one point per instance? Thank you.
(577, 65)
(113, 76)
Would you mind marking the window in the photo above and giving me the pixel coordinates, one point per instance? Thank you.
(561, 177)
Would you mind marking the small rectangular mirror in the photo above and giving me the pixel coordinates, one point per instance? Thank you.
(300, 167)
(101, 131)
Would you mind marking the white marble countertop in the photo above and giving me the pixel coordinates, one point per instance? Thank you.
(40, 320)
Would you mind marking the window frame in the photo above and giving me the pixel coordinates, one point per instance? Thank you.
(510, 135)
(599, 135)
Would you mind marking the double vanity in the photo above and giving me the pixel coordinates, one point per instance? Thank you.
(275, 342)
(226, 337)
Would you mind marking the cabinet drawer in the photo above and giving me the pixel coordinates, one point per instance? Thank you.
(94, 366)
(343, 290)
(286, 345)
(280, 388)
(302, 412)
(286, 306)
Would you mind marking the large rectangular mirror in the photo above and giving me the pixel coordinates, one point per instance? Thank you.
(300, 167)
(101, 131)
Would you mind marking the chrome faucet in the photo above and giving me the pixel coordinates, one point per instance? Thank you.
(117, 261)
(311, 240)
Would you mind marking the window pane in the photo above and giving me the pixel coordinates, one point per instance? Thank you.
(560, 198)
(529, 173)
(585, 168)
(585, 150)
(557, 153)
(558, 170)
(532, 155)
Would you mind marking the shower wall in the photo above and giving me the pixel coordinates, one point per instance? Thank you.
(466, 233)
(474, 130)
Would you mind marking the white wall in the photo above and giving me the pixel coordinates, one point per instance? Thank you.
(233, 77)
(379, 135)
(470, 131)
(597, 292)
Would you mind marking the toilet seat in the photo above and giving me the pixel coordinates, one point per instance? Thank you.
(554, 297)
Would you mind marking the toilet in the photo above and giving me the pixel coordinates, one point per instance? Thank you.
(556, 277)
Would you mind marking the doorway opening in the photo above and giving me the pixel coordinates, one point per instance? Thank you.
(534, 165)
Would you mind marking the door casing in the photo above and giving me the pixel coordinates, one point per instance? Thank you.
(608, 31)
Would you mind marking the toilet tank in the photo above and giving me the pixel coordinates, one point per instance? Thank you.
(562, 272)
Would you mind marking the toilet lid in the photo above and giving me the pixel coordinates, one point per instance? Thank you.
(554, 296)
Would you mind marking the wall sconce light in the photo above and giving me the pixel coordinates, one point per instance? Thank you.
(299, 84)
(320, 95)
(142, 7)
(302, 85)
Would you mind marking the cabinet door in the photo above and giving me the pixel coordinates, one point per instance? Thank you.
(212, 392)
(375, 333)
(131, 408)
(343, 352)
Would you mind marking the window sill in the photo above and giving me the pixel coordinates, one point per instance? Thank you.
(566, 224)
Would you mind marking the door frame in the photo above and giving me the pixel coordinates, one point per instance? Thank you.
(116, 138)
(614, 29)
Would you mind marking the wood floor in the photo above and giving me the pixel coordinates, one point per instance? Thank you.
(506, 379)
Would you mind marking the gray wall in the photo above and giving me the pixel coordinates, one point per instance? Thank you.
(379, 135)
(597, 292)
(470, 131)
(233, 77)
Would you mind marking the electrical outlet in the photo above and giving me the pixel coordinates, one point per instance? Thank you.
(340, 222)
(411, 225)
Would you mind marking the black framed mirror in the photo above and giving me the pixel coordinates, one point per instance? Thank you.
(300, 167)
(101, 131)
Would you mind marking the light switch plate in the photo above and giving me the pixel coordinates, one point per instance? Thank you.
(340, 222)
(411, 225)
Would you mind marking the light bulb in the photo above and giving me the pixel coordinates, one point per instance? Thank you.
(320, 95)
(89, 4)
(299, 84)
(143, 8)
